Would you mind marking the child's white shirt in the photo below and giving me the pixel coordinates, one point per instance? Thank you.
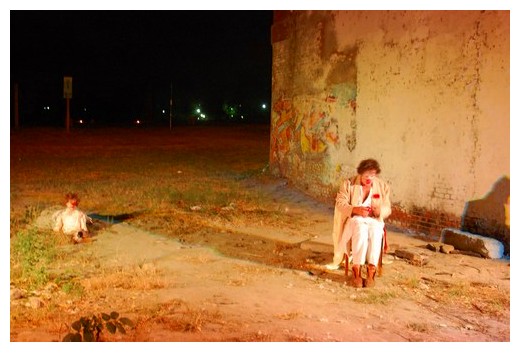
(71, 221)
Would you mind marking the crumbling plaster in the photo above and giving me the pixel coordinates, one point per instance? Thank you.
(424, 92)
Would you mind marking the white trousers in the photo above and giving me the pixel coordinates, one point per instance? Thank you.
(367, 236)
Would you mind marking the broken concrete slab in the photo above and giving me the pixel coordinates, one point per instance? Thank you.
(484, 246)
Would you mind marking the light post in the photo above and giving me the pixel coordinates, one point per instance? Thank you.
(171, 104)
(67, 94)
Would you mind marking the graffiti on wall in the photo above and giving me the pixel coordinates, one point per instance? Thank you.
(313, 119)
(306, 127)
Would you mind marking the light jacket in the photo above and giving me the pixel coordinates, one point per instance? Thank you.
(70, 221)
(349, 196)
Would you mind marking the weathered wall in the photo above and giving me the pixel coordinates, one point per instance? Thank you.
(424, 92)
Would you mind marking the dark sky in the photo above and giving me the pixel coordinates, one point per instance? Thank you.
(123, 62)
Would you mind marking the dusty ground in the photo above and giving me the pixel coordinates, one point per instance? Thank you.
(242, 281)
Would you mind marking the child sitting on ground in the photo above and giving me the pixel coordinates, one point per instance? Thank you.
(72, 221)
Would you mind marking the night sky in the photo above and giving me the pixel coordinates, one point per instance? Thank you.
(125, 64)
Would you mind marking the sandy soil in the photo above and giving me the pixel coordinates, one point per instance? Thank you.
(244, 283)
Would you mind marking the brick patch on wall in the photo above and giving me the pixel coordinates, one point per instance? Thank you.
(422, 221)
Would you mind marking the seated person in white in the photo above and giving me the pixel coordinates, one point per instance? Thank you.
(362, 204)
(72, 221)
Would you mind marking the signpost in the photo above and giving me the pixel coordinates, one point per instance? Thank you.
(171, 103)
(16, 114)
(67, 94)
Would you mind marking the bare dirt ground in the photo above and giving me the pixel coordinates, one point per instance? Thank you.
(239, 280)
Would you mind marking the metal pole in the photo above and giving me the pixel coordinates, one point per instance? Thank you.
(16, 114)
(171, 103)
(68, 115)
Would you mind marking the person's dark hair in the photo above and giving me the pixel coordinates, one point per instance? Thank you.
(72, 197)
(368, 165)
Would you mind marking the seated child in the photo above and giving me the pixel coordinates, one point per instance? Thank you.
(72, 221)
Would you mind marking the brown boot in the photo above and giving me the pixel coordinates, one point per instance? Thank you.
(357, 282)
(370, 276)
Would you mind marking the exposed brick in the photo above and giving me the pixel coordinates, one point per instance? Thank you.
(423, 221)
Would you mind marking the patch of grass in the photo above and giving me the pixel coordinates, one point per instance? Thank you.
(116, 168)
(418, 327)
(32, 252)
(376, 297)
(126, 278)
(408, 282)
(412, 283)
(456, 291)
(499, 306)
(196, 319)
(21, 219)
(73, 288)
(289, 316)
(485, 298)
(178, 315)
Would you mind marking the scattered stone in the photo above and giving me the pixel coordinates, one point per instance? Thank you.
(34, 303)
(485, 246)
(388, 259)
(423, 286)
(469, 253)
(434, 246)
(411, 257)
(444, 273)
(440, 247)
(51, 287)
(447, 249)
(17, 293)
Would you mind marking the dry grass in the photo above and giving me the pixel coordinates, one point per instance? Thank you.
(418, 327)
(483, 298)
(177, 315)
(111, 173)
(134, 278)
(155, 177)
(373, 296)
(112, 177)
(289, 316)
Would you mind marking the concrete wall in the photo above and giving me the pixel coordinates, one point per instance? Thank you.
(424, 92)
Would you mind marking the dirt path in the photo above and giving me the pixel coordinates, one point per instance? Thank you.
(243, 300)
